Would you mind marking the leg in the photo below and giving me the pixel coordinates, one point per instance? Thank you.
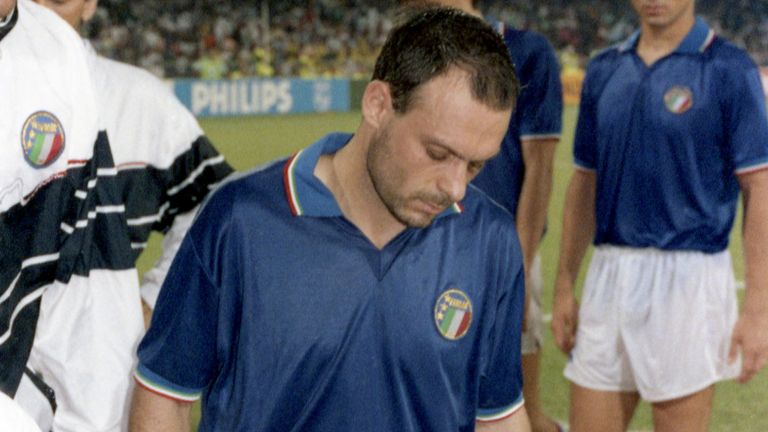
(539, 421)
(689, 413)
(600, 411)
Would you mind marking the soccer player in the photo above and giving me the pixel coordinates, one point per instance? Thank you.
(157, 165)
(50, 155)
(672, 125)
(520, 179)
(360, 284)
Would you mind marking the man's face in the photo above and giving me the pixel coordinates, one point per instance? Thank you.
(420, 162)
(72, 11)
(6, 6)
(662, 13)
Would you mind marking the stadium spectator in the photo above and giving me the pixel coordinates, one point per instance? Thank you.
(344, 289)
(359, 26)
(672, 124)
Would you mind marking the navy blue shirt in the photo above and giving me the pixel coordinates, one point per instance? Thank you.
(538, 114)
(285, 317)
(667, 141)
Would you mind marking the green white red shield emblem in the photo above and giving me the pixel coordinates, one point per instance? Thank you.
(678, 99)
(42, 139)
(453, 314)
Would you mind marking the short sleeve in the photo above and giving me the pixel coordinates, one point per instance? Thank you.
(746, 121)
(585, 137)
(501, 384)
(178, 355)
(541, 99)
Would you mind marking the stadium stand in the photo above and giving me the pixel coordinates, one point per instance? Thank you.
(325, 38)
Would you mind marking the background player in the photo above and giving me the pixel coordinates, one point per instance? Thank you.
(163, 166)
(520, 177)
(50, 153)
(344, 289)
(671, 124)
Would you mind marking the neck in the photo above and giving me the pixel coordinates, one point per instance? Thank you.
(657, 41)
(5, 15)
(345, 174)
(465, 5)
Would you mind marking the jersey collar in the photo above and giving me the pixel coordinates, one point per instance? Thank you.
(696, 41)
(306, 194)
(9, 22)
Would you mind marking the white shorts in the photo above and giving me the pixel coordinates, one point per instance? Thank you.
(532, 336)
(84, 349)
(655, 322)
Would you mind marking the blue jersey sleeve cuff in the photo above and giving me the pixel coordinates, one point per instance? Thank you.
(496, 414)
(534, 136)
(161, 386)
(755, 166)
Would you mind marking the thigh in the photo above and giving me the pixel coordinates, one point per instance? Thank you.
(690, 413)
(599, 359)
(601, 411)
(678, 342)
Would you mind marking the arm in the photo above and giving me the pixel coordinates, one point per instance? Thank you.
(578, 230)
(750, 335)
(531, 217)
(152, 412)
(517, 422)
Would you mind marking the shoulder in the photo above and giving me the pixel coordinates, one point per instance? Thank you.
(727, 56)
(262, 185)
(527, 45)
(529, 39)
(482, 212)
(113, 76)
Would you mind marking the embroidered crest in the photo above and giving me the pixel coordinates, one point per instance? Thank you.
(453, 314)
(678, 99)
(42, 139)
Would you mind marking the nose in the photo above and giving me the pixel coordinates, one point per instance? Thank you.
(454, 179)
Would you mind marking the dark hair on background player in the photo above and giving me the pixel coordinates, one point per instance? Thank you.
(434, 39)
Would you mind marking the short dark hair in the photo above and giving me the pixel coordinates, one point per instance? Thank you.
(434, 39)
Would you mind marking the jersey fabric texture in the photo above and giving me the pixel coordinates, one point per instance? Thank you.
(668, 141)
(284, 316)
(77, 209)
(538, 114)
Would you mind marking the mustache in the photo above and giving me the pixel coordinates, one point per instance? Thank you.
(437, 200)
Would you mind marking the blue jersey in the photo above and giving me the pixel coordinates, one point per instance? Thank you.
(285, 317)
(667, 141)
(538, 114)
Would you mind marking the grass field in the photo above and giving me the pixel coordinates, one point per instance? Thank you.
(248, 142)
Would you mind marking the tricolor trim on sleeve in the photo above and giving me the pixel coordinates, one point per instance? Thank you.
(493, 415)
(752, 168)
(160, 386)
(540, 137)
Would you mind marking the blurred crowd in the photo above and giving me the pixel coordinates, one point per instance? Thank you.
(213, 39)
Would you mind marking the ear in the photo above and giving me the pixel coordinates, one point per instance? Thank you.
(376, 103)
(89, 9)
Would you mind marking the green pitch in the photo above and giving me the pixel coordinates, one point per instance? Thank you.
(250, 141)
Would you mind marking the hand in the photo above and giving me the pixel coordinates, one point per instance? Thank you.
(565, 316)
(750, 336)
